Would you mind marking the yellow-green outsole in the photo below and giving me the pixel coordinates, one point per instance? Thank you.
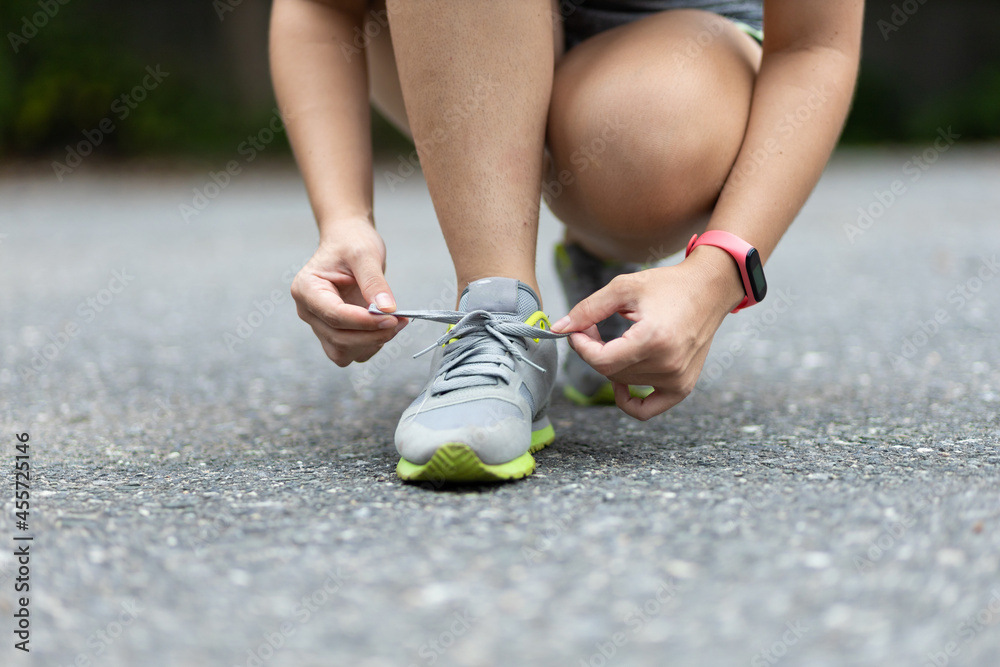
(603, 396)
(457, 463)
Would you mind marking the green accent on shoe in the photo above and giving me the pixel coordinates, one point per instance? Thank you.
(455, 462)
(603, 396)
(757, 34)
(564, 261)
(542, 438)
(562, 257)
(639, 391)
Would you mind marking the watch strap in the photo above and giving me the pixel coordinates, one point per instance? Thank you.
(738, 250)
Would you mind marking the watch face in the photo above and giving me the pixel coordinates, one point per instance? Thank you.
(756, 273)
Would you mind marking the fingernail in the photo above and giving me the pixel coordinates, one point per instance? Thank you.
(387, 323)
(561, 323)
(384, 301)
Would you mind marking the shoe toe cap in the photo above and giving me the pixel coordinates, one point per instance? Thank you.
(497, 431)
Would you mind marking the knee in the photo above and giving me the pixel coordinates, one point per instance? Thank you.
(634, 152)
(644, 138)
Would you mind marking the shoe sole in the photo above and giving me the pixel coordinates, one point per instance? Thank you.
(603, 396)
(456, 462)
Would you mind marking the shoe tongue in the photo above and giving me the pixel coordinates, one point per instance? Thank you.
(500, 295)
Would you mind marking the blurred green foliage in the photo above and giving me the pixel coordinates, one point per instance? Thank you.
(74, 67)
(974, 107)
(61, 74)
(881, 114)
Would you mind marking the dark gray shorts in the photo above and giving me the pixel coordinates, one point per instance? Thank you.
(584, 18)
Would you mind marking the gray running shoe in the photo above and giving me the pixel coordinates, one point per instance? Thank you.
(482, 413)
(582, 274)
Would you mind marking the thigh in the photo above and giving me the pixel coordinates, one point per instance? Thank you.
(645, 123)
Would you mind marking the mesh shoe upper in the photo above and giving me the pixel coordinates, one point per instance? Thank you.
(491, 376)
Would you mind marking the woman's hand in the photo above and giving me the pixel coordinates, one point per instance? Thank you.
(676, 311)
(333, 290)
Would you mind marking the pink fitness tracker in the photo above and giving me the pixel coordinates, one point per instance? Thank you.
(747, 258)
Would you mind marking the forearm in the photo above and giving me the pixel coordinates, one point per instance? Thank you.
(323, 96)
(800, 101)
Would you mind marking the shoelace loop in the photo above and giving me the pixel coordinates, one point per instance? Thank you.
(486, 346)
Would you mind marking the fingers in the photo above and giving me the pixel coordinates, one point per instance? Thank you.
(345, 316)
(348, 336)
(612, 357)
(343, 346)
(370, 276)
(672, 384)
(342, 359)
(320, 298)
(645, 408)
(626, 361)
(333, 291)
(586, 342)
(599, 306)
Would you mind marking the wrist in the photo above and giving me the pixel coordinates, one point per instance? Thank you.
(720, 275)
(332, 228)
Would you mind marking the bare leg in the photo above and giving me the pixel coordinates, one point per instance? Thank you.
(383, 78)
(476, 78)
(645, 124)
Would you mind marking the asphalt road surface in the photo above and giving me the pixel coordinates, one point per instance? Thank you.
(208, 489)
